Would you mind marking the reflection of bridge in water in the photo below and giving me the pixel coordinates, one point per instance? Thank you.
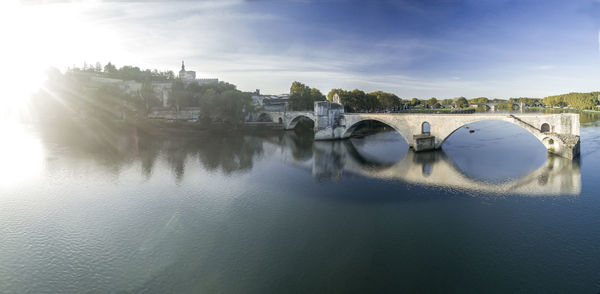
(331, 159)
(557, 176)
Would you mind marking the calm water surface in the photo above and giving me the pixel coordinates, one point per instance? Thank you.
(279, 213)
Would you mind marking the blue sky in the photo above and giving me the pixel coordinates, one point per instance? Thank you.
(412, 48)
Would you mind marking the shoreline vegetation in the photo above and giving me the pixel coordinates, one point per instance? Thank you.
(95, 97)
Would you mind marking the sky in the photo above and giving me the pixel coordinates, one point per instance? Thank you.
(413, 48)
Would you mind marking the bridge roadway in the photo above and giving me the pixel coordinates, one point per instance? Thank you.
(559, 133)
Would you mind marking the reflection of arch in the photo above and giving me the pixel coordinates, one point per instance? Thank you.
(294, 122)
(545, 128)
(425, 128)
(365, 161)
(264, 117)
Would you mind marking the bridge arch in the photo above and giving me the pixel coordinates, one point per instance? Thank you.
(296, 119)
(264, 117)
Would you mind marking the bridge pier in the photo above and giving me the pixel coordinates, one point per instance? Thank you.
(330, 123)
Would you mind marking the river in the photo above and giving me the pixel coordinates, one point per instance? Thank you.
(279, 213)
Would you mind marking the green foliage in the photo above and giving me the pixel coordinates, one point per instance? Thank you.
(507, 106)
(126, 72)
(447, 102)
(359, 101)
(498, 100)
(575, 100)
(527, 101)
(217, 101)
(481, 108)
(431, 102)
(461, 102)
(303, 97)
(479, 100)
(386, 100)
(415, 102)
(331, 93)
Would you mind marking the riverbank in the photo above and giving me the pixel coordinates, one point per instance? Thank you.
(560, 110)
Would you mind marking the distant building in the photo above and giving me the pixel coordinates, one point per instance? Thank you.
(189, 76)
(186, 75)
(271, 102)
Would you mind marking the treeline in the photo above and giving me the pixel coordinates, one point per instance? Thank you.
(360, 101)
(217, 101)
(575, 100)
(72, 96)
(303, 97)
(126, 72)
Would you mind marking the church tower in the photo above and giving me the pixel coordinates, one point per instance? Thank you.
(186, 76)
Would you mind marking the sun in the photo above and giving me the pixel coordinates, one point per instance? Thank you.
(37, 37)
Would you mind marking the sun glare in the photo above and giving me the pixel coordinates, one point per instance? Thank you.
(37, 37)
(21, 155)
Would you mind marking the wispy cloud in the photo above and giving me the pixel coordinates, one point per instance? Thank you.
(411, 47)
(544, 67)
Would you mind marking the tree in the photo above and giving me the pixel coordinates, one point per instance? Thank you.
(415, 102)
(461, 102)
(447, 102)
(386, 100)
(178, 94)
(148, 96)
(479, 100)
(302, 97)
(481, 108)
(432, 101)
(333, 92)
(109, 68)
(575, 100)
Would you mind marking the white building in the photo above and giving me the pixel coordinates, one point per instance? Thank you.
(186, 75)
(189, 76)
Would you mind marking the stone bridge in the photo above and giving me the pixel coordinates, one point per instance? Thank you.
(558, 132)
(289, 119)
